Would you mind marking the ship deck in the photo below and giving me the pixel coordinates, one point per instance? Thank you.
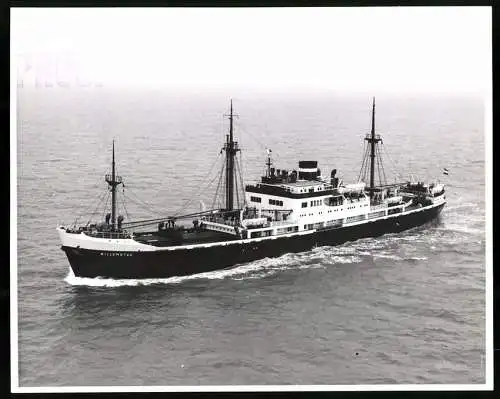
(181, 237)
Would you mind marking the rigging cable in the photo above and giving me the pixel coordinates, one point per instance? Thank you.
(392, 161)
(140, 223)
(367, 163)
(99, 198)
(275, 154)
(252, 136)
(123, 202)
(142, 203)
(218, 185)
(240, 169)
(200, 186)
(363, 160)
(105, 205)
(382, 165)
(364, 165)
(236, 184)
(106, 194)
(378, 165)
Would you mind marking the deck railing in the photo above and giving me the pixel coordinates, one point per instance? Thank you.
(377, 207)
(108, 234)
(282, 223)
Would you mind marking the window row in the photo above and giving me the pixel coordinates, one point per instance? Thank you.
(255, 199)
(275, 202)
(309, 189)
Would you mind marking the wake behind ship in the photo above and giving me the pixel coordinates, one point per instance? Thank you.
(286, 211)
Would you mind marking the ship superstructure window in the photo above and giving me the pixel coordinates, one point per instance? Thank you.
(255, 199)
(333, 201)
(263, 233)
(275, 202)
(304, 205)
(355, 218)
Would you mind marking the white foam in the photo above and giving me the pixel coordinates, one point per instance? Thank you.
(318, 266)
(387, 256)
(110, 283)
(367, 245)
(344, 259)
(416, 258)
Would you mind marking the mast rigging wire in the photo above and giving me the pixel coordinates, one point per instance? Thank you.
(141, 223)
(239, 167)
(99, 198)
(218, 186)
(105, 205)
(140, 202)
(200, 186)
(382, 166)
(123, 202)
(105, 195)
(170, 217)
(378, 165)
(364, 164)
(392, 161)
(275, 154)
(236, 183)
(241, 177)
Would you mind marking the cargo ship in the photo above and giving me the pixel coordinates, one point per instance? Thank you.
(284, 211)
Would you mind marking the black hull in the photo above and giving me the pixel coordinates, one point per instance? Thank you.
(165, 263)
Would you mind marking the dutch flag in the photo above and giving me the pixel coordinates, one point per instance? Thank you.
(445, 171)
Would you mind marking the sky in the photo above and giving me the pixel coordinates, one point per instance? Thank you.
(394, 49)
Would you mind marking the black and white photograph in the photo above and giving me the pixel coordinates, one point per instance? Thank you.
(251, 199)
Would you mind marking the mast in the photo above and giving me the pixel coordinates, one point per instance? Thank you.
(372, 149)
(113, 181)
(113, 191)
(373, 140)
(268, 163)
(231, 148)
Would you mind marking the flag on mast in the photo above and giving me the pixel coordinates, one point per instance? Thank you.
(445, 171)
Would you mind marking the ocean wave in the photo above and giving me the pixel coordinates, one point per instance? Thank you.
(458, 228)
(369, 244)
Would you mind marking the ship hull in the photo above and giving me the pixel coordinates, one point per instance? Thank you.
(182, 262)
